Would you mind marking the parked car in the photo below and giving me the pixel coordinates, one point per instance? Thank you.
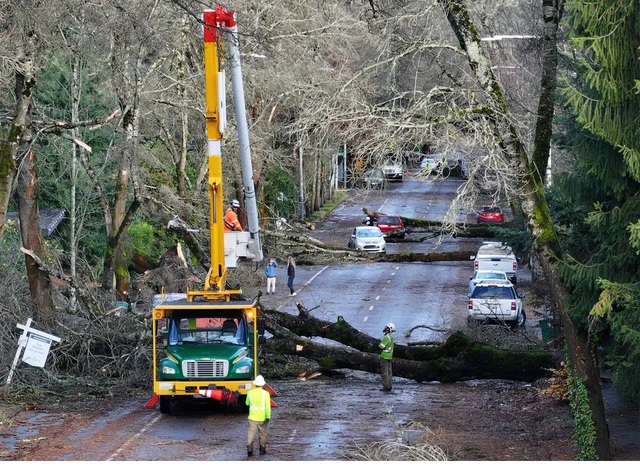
(490, 215)
(374, 179)
(391, 226)
(482, 275)
(394, 169)
(496, 256)
(496, 300)
(367, 239)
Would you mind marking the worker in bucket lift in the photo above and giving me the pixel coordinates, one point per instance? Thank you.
(231, 222)
(259, 402)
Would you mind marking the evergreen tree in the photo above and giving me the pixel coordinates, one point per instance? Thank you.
(604, 273)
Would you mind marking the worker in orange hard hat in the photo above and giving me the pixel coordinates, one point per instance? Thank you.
(231, 222)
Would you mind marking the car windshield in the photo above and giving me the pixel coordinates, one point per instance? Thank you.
(368, 233)
(389, 220)
(494, 292)
(491, 209)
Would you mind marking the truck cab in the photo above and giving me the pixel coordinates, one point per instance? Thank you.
(203, 346)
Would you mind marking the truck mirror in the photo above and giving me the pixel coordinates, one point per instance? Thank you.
(261, 327)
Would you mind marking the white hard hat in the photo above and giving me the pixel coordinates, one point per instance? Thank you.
(391, 327)
(259, 382)
(235, 203)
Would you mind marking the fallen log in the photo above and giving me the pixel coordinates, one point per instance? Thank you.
(458, 358)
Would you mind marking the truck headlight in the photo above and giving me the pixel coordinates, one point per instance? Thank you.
(168, 370)
(243, 370)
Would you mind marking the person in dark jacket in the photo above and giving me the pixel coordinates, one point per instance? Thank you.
(291, 273)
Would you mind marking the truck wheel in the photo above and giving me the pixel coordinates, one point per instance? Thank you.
(519, 322)
(165, 404)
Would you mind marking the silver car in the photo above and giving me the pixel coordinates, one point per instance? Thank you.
(367, 239)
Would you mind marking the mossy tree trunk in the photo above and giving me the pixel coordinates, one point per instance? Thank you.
(581, 348)
(457, 359)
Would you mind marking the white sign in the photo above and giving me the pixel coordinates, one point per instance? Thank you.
(37, 350)
(36, 346)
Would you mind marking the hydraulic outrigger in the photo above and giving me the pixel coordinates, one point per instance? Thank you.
(211, 339)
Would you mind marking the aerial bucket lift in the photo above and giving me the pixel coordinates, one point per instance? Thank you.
(212, 338)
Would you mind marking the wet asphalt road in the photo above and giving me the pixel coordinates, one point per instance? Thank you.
(368, 295)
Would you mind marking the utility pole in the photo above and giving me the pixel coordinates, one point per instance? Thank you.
(302, 211)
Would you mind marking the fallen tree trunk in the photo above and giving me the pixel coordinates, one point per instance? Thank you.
(457, 359)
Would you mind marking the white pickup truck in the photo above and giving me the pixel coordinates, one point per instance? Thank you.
(497, 256)
(394, 169)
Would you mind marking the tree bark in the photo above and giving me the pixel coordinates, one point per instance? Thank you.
(9, 154)
(455, 360)
(581, 348)
(27, 192)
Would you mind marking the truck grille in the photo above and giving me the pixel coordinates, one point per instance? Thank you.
(218, 368)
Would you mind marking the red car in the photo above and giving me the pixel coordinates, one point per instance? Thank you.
(490, 215)
(391, 226)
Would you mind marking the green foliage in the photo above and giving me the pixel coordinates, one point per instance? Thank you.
(604, 34)
(280, 192)
(52, 96)
(142, 237)
(618, 307)
(150, 240)
(596, 208)
(585, 432)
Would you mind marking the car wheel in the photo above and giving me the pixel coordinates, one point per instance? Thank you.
(401, 236)
(519, 322)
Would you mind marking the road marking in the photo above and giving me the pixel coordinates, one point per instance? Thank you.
(142, 431)
(393, 273)
(383, 204)
(313, 278)
(365, 318)
(371, 308)
(389, 281)
(293, 435)
(377, 298)
(307, 283)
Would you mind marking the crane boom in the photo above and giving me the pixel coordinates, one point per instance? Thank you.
(225, 247)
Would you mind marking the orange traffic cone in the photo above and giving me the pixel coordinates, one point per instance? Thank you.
(209, 393)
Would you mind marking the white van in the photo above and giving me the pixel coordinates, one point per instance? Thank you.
(497, 256)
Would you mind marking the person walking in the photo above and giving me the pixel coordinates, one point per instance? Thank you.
(291, 273)
(231, 222)
(259, 402)
(386, 344)
(270, 272)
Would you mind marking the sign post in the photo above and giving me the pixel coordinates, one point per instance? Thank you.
(36, 346)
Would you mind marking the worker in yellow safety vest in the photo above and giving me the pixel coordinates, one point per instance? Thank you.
(259, 402)
(231, 222)
(386, 344)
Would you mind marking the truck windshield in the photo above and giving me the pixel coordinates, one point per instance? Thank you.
(206, 330)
